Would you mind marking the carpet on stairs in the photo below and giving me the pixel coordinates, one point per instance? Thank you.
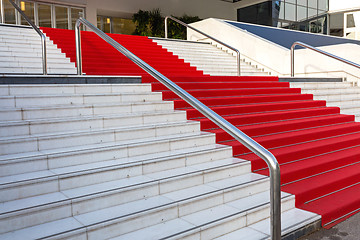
(317, 147)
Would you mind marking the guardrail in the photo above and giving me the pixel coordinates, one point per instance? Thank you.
(292, 56)
(268, 157)
(42, 35)
(206, 35)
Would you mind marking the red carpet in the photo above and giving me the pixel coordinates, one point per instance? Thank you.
(317, 147)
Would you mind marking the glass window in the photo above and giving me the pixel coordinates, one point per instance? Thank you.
(302, 2)
(123, 26)
(323, 5)
(350, 22)
(9, 12)
(99, 22)
(290, 12)
(44, 12)
(75, 14)
(312, 3)
(291, 1)
(28, 9)
(61, 16)
(301, 13)
(312, 12)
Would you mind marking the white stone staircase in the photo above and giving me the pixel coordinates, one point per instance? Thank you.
(114, 161)
(209, 58)
(345, 95)
(21, 53)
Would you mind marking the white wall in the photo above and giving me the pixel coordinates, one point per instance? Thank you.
(341, 5)
(276, 59)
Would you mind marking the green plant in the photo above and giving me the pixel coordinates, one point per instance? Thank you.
(151, 23)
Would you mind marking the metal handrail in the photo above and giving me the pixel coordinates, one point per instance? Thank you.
(292, 56)
(255, 147)
(42, 35)
(206, 35)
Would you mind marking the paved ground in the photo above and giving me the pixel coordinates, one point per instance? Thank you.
(347, 230)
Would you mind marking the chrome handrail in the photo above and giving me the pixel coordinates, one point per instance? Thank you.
(292, 56)
(42, 35)
(274, 168)
(206, 35)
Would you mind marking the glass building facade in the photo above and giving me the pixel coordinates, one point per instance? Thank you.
(303, 15)
(42, 14)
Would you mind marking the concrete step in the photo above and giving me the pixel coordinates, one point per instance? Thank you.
(188, 203)
(40, 142)
(41, 126)
(76, 90)
(33, 113)
(28, 65)
(295, 222)
(30, 54)
(96, 153)
(21, 70)
(76, 99)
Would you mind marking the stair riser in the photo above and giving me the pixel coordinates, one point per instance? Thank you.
(122, 152)
(21, 102)
(87, 124)
(114, 136)
(28, 114)
(19, 90)
(304, 153)
(93, 203)
(207, 232)
(276, 116)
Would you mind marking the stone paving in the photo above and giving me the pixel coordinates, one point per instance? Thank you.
(347, 230)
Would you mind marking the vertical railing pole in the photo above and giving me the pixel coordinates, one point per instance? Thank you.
(44, 55)
(78, 47)
(292, 57)
(238, 63)
(2, 11)
(166, 27)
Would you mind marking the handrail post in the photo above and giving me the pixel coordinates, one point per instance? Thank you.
(78, 47)
(292, 53)
(206, 35)
(44, 55)
(166, 27)
(41, 34)
(2, 11)
(292, 57)
(238, 63)
(268, 157)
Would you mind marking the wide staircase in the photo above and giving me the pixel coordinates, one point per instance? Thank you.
(209, 58)
(21, 53)
(117, 162)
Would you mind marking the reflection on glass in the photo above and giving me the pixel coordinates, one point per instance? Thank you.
(291, 1)
(323, 4)
(28, 9)
(312, 3)
(312, 12)
(301, 13)
(350, 22)
(106, 24)
(290, 13)
(44, 12)
(302, 2)
(9, 12)
(99, 24)
(61, 15)
(123, 26)
(75, 14)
